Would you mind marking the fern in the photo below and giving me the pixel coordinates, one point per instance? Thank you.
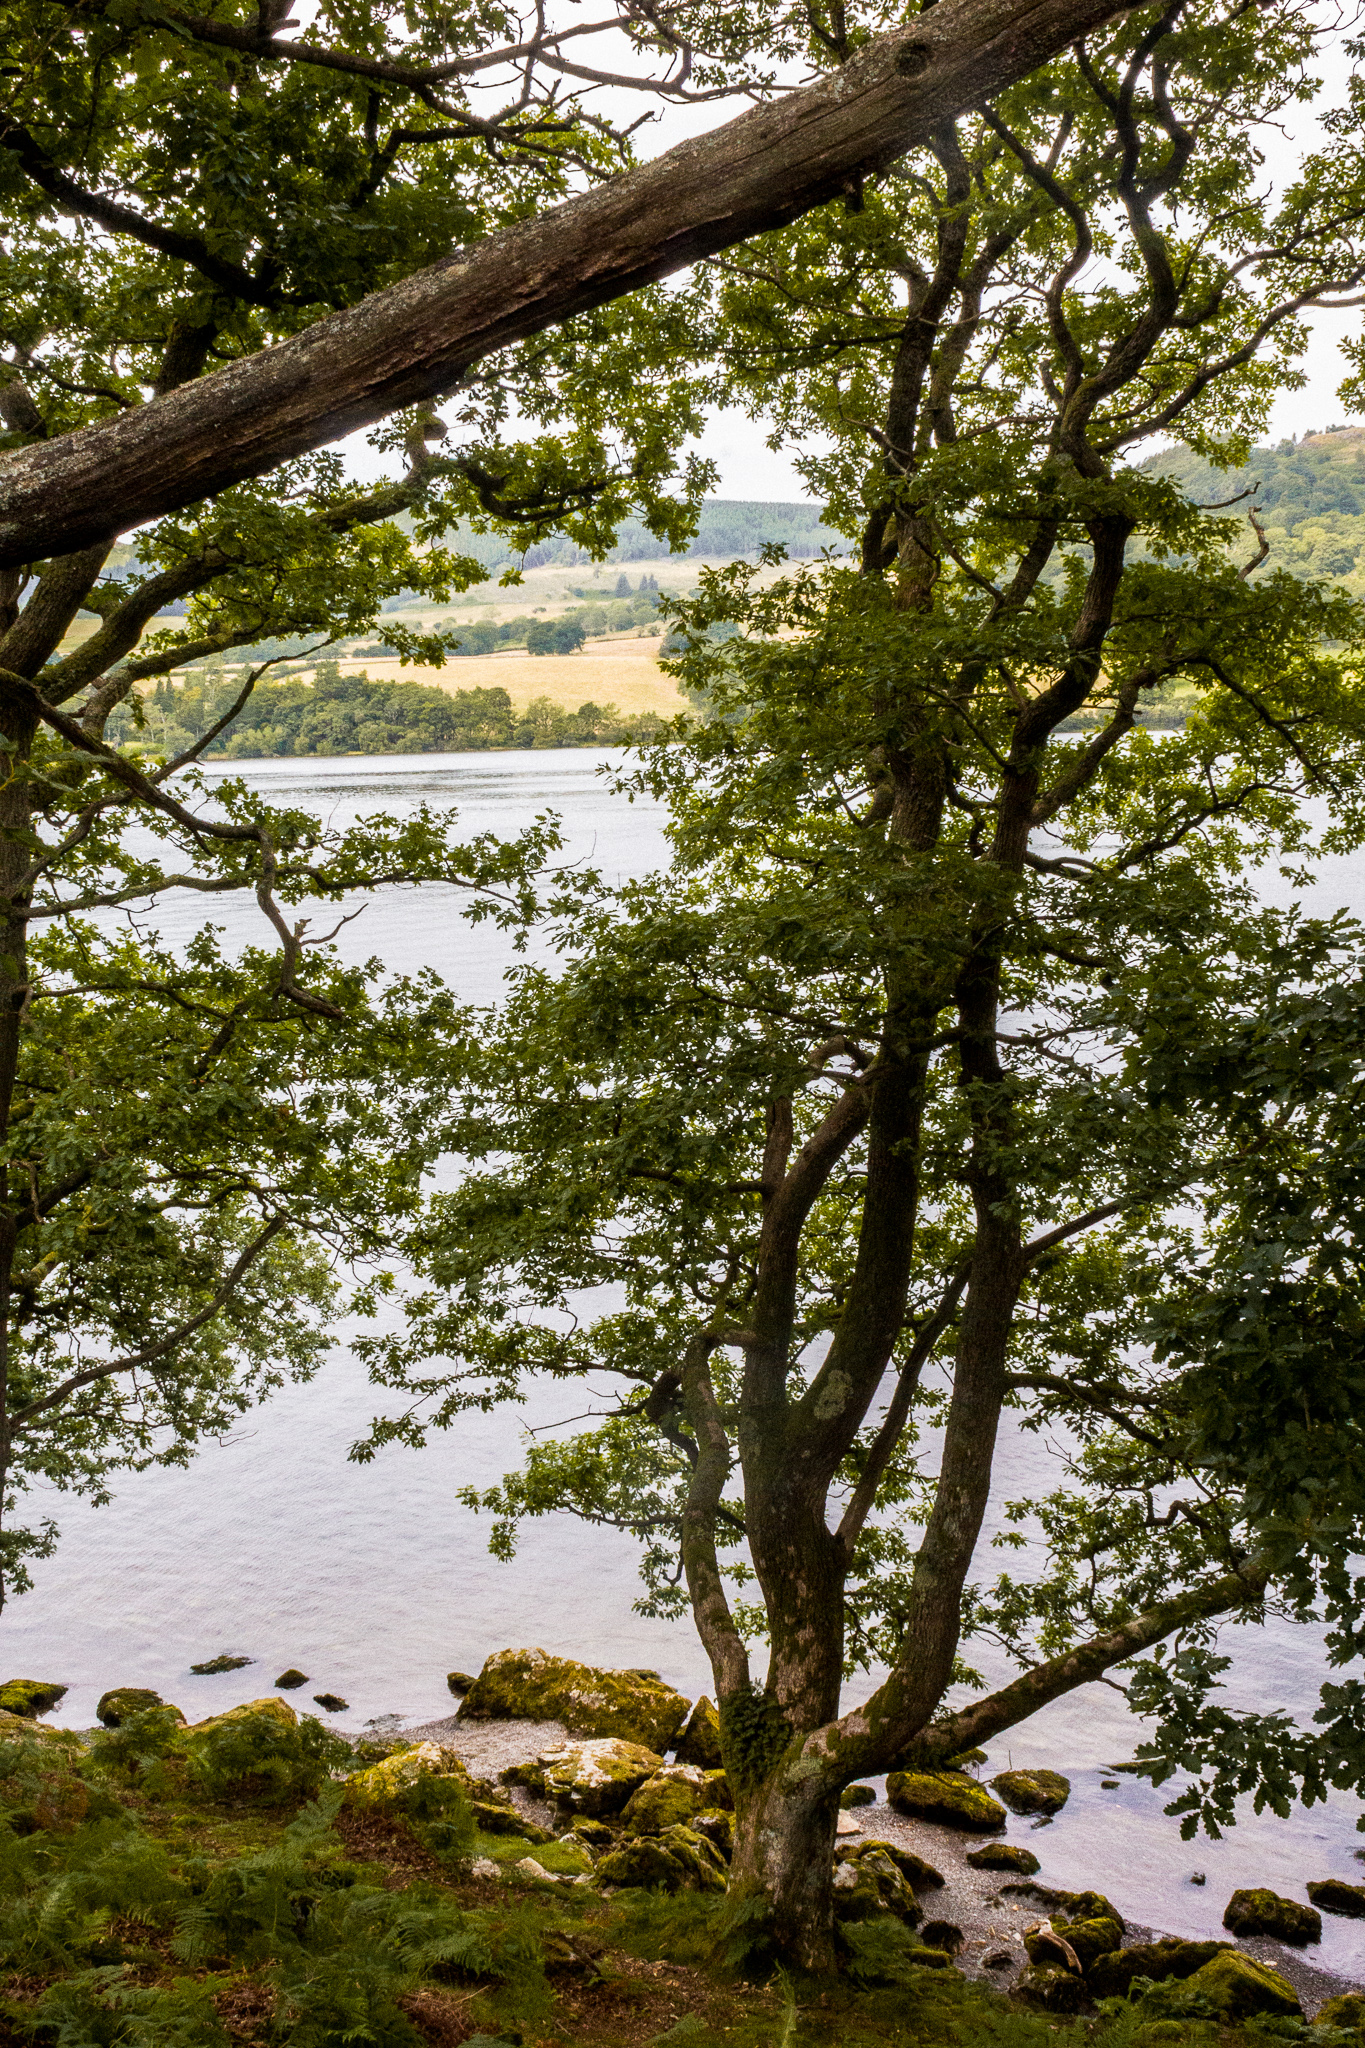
(101, 2009)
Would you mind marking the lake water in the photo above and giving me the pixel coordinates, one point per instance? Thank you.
(373, 1581)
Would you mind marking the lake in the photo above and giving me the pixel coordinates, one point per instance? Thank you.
(373, 1581)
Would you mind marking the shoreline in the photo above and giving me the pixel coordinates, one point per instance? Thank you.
(991, 1908)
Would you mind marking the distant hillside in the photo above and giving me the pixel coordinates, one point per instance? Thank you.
(728, 527)
(1311, 500)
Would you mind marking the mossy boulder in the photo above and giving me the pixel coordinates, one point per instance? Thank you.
(418, 1784)
(493, 1818)
(116, 1705)
(1050, 1988)
(699, 1742)
(718, 1826)
(1347, 2010)
(948, 1797)
(1261, 1911)
(919, 1874)
(1004, 1856)
(679, 1860)
(1240, 1988)
(271, 1708)
(213, 1667)
(29, 1697)
(1092, 1939)
(459, 1682)
(1032, 1791)
(1333, 1895)
(528, 1685)
(857, 1795)
(868, 1882)
(1111, 1974)
(674, 1794)
(291, 1680)
(595, 1778)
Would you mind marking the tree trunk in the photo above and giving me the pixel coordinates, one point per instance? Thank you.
(784, 1849)
(415, 339)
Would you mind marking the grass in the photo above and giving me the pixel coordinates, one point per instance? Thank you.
(149, 1900)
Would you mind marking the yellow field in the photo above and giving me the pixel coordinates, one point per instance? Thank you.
(631, 680)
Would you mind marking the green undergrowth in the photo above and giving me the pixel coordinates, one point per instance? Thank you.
(210, 1889)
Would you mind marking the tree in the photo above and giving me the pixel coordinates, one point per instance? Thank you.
(92, 133)
(955, 1067)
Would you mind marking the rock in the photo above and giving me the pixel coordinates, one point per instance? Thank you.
(1333, 1895)
(594, 1833)
(948, 1797)
(217, 1664)
(997, 1959)
(719, 1828)
(29, 1697)
(528, 1685)
(1032, 1791)
(718, 1793)
(1111, 1975)
(493, 1819)
(679, 1860)
(675, 1793)
(944, 1934)
(273, 1709)
(845, 1824)
(1110, 1785)
(699, 1742)
(332, 1701)
(413, 1782)
(1347, 2010)
(857, 1795)
(968, 1760)
(1198, 1877)
(919, 1874)
(1052, 1989)
(291, 1680)
(1004, 1856)
(699, 1857)
(1050, 1949)
(1093, 1938)
(1237, 1986)
(593, 1778)
(459, 1682)
(528, 1867)
(1261, 1911)
(484, 1866)
(115, 1706)
(870, 1882)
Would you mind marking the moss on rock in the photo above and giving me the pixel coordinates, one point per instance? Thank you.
(213, 1666)
(1092, 1939)
(699, 1742)
(415, 1783)
(116, 1705)
(1261, 1911)
(1004, 1856)
(528, 1685)
(273, 1709)
(1334, 1895)
(1346, 2010)
(1032, 1791)
(1239, 1988)
(291, 1680)
(857, 1795)
(29, 1697)
(1111, 1975)
(678, 1860)
(916, 1871)
(1051, 1988)
(947, 1797)
(595, 1778)
(868, 1882)
(674, 1794)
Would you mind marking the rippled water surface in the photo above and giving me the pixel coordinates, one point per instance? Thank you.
(374, 1582)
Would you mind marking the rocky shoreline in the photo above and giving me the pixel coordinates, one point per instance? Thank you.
(569, 1764)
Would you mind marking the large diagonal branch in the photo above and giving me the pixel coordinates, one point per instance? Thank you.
(415, 339)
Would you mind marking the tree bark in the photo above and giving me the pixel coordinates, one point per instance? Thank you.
(415, 339)
(784, 1850)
